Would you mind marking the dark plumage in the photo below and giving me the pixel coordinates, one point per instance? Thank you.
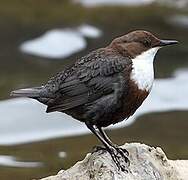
(93, 87)
(97, 89)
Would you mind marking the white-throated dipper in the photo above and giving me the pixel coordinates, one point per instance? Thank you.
(104, 87)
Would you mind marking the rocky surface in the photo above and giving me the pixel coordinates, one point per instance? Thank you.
(146, 163)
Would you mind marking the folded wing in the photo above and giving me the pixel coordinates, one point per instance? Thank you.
(92, 77)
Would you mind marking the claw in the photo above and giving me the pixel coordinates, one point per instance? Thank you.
(123, 150)
(98, 148)
(118, 163)
(124, 153)
(117, 154)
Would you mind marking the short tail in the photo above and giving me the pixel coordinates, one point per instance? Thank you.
(28, 92)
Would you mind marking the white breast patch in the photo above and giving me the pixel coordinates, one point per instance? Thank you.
(142, 73)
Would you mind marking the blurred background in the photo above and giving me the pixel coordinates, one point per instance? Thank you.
(40, 38)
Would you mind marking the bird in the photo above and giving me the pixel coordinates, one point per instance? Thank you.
(104, 87)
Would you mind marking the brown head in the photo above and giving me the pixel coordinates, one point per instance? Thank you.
(137, 42)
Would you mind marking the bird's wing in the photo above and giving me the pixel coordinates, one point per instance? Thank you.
(90, 78)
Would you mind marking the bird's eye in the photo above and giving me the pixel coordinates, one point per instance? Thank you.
(147, 43)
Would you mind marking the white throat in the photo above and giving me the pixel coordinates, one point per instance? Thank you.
(142, 73)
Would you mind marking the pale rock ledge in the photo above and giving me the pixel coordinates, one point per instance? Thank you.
(147, 163)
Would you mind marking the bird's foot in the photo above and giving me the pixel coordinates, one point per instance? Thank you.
(124, 154)
(98, 148)
(120, 158)
(121, 150)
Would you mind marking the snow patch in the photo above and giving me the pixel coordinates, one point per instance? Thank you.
(6, 160)
(62, 154)
(89, 3)
(179, 20)
(60, 43)
(89, 31)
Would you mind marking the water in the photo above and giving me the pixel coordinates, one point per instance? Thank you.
(34, 144)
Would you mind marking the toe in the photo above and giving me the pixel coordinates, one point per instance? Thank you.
(98, 148)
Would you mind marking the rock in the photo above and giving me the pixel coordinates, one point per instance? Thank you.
(146, 163)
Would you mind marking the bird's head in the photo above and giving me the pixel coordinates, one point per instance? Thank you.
(138, 42)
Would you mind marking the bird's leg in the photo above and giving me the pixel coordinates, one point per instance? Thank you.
(104, 135)
(108, 147)
(124, 153)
